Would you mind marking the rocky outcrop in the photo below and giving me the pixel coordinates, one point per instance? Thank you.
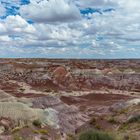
(21, 114)
(70, 118)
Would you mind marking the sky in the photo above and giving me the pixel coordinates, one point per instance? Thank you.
(94, 29)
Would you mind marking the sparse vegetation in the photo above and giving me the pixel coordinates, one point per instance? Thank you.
(122, 111)
(95, 135)
(124, 126)
(127, 124)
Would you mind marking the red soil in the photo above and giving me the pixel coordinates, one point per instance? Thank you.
(94, 99)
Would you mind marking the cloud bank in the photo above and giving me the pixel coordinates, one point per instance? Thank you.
(70, 28)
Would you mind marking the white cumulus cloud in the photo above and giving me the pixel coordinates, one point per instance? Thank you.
(50, 11)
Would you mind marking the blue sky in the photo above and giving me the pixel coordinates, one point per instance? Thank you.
(70, 28)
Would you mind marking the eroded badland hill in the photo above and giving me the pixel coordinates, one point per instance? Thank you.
(58, 99)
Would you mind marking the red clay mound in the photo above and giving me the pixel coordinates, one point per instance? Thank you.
(59, 74)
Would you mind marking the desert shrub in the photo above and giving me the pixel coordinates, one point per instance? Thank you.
(126, 136)
(43, 138)
(36, 131)
(43, 131)
(97, 126)
(16, 129)
(133, 119)
(93, 121)
(37, 123)
(18, 137)
(95, 135)
(22, 89)
(70, 137)
(127, 124)
(48, 90)
(124, 126)
(122, 111)
(112, 120)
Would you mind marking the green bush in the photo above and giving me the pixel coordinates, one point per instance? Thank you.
(37, 123)
(95, 135)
